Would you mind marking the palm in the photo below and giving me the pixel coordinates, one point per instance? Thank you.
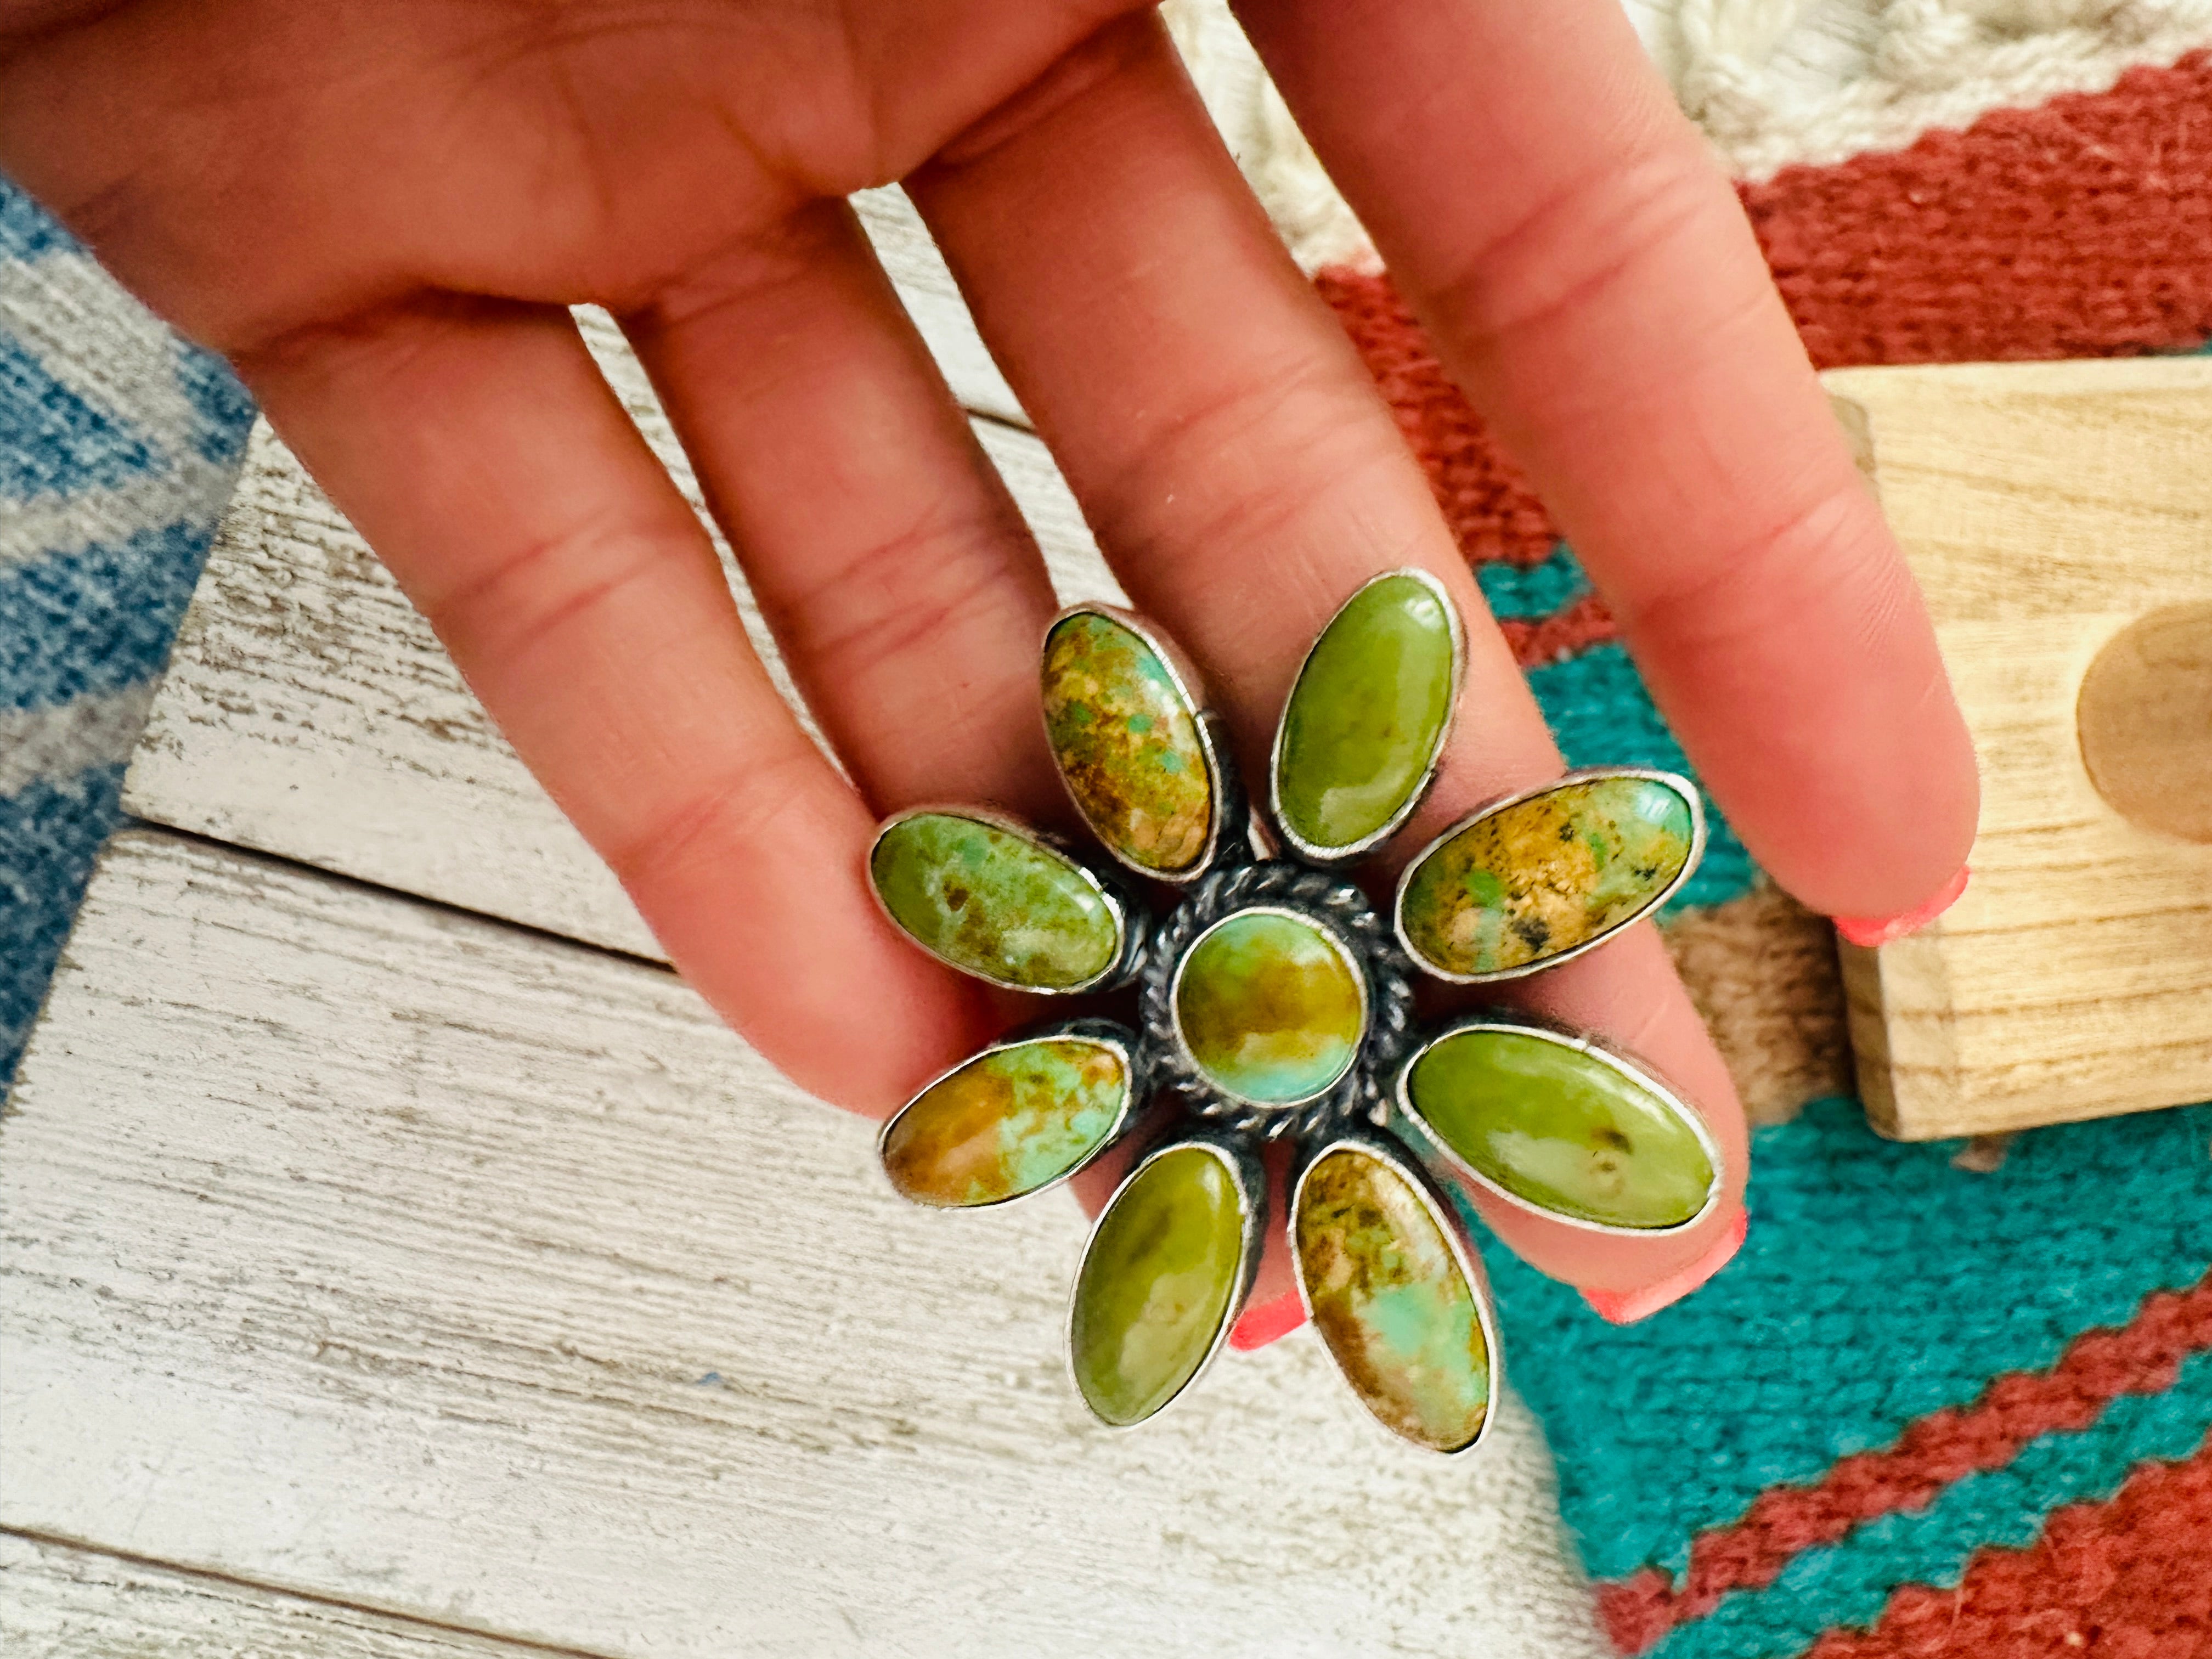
(571, 152)
(379, 213)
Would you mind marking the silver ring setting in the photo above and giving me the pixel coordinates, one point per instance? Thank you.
(1341, 912)
(1273, 1002)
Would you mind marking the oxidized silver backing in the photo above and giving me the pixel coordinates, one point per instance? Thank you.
(1337, 908)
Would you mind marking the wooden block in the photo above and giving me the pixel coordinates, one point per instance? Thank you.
(2059, 519)
(361, 1248)
(309, 711)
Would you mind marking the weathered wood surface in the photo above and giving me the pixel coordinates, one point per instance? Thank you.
(2046, 509)
(59, 1601)
(356, 1247)
(309, 711)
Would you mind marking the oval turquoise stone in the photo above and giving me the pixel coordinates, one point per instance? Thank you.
(995, 902)
(1126, 741)
(1007, 1122)
(1389, 1297)
(1518, 885)
(1561, 1129)
(1157, 1285)
(1270, 1007)
(1367, 717)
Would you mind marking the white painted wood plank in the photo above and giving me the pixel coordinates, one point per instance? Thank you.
(58, 1602)
(356, 1247)
(309, 711)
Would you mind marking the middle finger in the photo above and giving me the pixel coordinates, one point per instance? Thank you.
(1245, 476)
(887, 557)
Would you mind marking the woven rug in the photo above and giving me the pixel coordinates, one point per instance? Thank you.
(1931, 1409)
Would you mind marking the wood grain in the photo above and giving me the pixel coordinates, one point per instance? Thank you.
(60, 1602)
(2145, 722)
(2046, 508)
(309, 711)
(357, 1246)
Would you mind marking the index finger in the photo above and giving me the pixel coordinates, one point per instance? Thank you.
(476, 445)
(1589, 279)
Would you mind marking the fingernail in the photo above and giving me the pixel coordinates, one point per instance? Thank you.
(1264, 1322)
(1626, 1307)
(1871, 931)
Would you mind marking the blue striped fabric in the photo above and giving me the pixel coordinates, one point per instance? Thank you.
(1848, 1585)
(1878, 1284)
(1531, 593)
(118, 445)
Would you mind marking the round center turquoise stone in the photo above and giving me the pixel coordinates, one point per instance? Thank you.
(1270, 1007)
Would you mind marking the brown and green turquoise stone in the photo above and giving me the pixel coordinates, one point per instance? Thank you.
(995, 902)
(1389, 1297)
(1562, 1129)
(1007, 1122)
(1127, 742)
(1369, 713)
(1523, 884)
(1270, 1007)
(1158, 1284)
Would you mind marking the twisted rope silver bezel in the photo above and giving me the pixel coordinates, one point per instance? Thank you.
(1363, 1092)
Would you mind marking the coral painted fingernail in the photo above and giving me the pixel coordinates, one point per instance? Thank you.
(1626, 1307)
(1263, 1324)
(1870, 931)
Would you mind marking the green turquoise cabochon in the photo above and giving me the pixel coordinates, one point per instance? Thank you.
(1128, 743)
(1562, 1128)
(1014, 1120)
(1160, 1284)
(1368, 716)
(1271, 1006)
(996, 902)
(1262, 993)
(1391, 1297)
(1532, 880)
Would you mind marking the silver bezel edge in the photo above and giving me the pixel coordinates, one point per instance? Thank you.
(1331, 858)
(1129, 917)
(1352, 959)
(1675, 781)
(1104, 1033)
(1212, 740)
(1387, 1149)
(1401, 1096)
(1251, 1179)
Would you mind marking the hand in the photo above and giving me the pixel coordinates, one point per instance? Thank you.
(379, 213)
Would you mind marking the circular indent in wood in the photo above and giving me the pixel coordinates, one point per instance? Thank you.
(2145, 720)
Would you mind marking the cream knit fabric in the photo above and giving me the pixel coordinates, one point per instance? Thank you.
(1772, 82)
(1778, 82)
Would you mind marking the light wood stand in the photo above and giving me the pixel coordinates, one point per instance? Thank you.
(2059, 519)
